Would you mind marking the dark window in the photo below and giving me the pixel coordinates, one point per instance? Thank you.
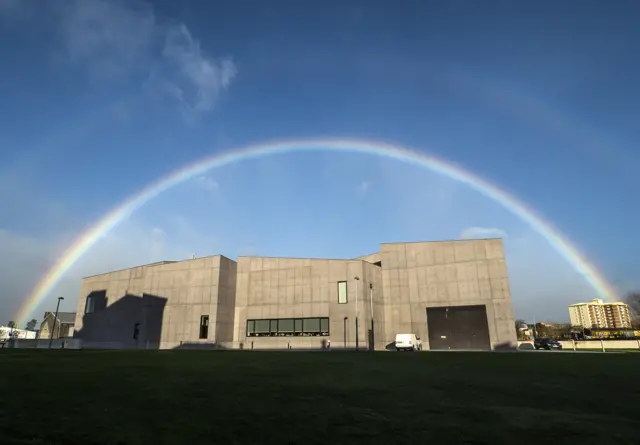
(311, 325)
(262, 327)
(95, 301)
(204, 326)
(324, 326)
(90, 306)
(136, 331)
(342, 292)
(287, 327)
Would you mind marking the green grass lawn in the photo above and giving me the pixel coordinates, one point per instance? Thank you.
(193, 397)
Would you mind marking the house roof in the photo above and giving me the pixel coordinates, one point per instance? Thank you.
(63, 317)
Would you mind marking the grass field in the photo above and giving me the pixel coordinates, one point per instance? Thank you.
(180, 397)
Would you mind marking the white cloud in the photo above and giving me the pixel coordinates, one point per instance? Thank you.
(198, 79)
(207, 183)
(482, 232)
(110, 39)
(117, 40)
(363, 187)
(158, 232)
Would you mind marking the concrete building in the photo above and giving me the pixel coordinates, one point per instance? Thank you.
(598, 314)
(452, 294)
(64, 325)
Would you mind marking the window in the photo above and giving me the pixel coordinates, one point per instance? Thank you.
(95, 301)
(285, 326)
(324, 326)
(289, 327)
(136, 331)
(311, 325)
(204, 327)
(90, 306)
(342, 292)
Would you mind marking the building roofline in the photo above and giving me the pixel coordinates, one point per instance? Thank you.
(299, 258)
(604, 303)
(359, 258)
(158, 263)
(443, 241)
(368, 254)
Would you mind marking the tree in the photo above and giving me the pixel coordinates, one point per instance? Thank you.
(11, 324)
(633, 300)
(31, 326)
(519, 334)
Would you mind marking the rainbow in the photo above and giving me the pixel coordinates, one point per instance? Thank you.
(87, 239)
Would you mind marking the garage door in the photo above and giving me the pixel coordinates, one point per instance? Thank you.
(458, 327)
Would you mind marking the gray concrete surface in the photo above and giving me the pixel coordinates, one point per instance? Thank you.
(160, 305)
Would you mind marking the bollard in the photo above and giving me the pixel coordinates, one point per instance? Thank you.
(252, 346)
(574, 344)
(602, 344)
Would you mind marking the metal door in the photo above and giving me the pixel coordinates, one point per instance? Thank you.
(458, 327)
(438, 327)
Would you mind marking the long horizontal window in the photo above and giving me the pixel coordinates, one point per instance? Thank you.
(288, 327)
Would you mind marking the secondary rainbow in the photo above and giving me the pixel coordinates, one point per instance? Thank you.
(87, 239)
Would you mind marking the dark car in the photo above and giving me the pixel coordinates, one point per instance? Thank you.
(547, 343)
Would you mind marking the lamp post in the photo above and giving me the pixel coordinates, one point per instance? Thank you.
(55, 318)
(372, 328)
(357, 280)
(345, 332)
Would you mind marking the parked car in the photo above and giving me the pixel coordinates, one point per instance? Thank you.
(408, 342)
(547, 343)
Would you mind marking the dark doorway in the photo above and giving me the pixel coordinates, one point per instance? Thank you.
(458, 327)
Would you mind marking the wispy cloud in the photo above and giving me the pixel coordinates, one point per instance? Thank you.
(109, 39)
(207, 183)
(363, 187)
(198, 79)
(158, 232)
(124, 41)
(482, 232)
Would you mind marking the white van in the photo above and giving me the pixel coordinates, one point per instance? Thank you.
(408, 342)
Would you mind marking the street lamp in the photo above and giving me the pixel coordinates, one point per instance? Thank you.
(357, 280)
(372, 328)
(55, 318)
(345, 332)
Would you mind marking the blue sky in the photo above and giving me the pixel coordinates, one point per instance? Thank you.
(99, 99)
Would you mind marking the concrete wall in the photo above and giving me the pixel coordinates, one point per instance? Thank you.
(62, 343)
(598, 344)
(300, 288)
(448, 273)
(167, 300)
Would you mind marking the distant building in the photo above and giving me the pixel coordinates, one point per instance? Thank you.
(598, 314)
(7, 333)
(64, 325)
